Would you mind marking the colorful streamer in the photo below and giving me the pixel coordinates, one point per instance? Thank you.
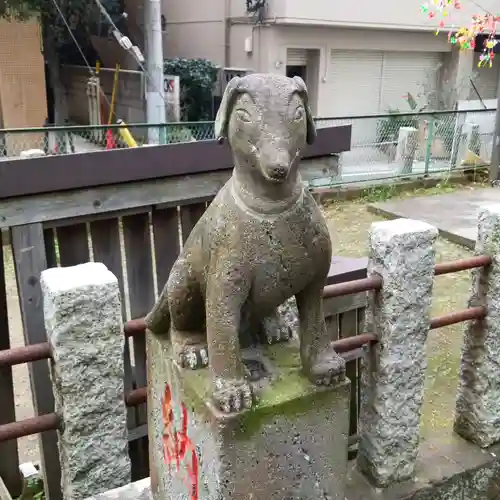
(465, 36)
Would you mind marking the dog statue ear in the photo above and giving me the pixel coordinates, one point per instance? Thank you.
(311, 128)
(225, 108)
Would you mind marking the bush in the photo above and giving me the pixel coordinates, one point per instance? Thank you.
(388, 128)
(197, 80)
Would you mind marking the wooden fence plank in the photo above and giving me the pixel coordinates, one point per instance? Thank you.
(49, 238)
(139, 261)
(166, 241)
(98, 168)
(105, 234)
(73, 244)
(348, 327)
(9, 463)
(190, 214)
(361, 329)
(29, 254)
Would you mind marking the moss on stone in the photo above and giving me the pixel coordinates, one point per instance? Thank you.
(288, 393)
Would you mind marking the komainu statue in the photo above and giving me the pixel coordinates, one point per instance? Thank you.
(262, 240)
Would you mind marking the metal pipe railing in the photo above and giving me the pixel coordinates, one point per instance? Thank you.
(30, 426)
(25, 354)
(462, 265)
(472, 313)
(36, 352)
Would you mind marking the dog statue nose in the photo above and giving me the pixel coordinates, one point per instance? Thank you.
(278, 171)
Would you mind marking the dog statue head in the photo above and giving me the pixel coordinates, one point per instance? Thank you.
(267, 120)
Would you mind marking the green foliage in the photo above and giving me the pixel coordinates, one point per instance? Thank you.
(83, 16)
(179, 134)
(444, 129)
(197, 80)
(388, 128)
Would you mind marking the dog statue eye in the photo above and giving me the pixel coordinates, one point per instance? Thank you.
(243, 115)
(299, 113)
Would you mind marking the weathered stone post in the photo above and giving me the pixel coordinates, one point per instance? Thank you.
(402, 253)
(84, 328)
(477, 416)
(406, 148)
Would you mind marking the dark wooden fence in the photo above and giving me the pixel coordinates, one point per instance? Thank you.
(131, 210)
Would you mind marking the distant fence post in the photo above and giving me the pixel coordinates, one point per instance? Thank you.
(84, 327)
(402, 253)
(477, 416)
(406, 149)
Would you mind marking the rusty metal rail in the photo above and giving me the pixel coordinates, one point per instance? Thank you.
(136, 397)
(37, 352)
(350, 343)
(24, 354)
(134, 327)
(351, 287)
(30, 426)
(472, 313)
(462, 265)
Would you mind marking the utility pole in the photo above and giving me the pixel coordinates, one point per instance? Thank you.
(155, 93)
(495, 151)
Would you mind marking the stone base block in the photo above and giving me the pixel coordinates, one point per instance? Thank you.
(292, 445)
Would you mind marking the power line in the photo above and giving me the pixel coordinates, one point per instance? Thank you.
(136, 53)
(122, 40)
(91, 70)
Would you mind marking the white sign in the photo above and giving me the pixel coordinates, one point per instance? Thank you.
(169, 84)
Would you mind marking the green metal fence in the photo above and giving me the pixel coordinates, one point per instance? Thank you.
(382, 147)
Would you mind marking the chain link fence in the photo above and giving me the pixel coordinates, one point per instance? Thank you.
(382, 146)
(395, 145)
(77, 139)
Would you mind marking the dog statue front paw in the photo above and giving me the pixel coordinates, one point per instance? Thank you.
(275, 329)
(193, 357)
(232, 395)
(327, 369)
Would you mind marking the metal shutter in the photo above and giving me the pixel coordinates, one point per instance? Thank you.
(408, 72)
(485, 80)
(355, 90)
(296, 57)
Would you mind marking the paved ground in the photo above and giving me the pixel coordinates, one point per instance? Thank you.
(454, 214)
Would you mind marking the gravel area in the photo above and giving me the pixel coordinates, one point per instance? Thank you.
(349, 223)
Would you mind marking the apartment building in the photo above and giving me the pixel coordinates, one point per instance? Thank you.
(357, 57)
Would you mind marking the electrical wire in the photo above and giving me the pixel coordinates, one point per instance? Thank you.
(141, 65)
(91, 70)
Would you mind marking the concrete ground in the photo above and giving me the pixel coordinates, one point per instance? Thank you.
(349, 223)
(454, 214)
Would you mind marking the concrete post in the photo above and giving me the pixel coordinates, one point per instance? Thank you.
(464, 73)
(406, 148)
(477, 416)
(402, 253)
(466, 144)
(84, 328)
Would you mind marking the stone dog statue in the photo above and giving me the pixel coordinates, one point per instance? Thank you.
(262, 240)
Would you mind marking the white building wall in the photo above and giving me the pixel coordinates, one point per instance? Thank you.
(271, 44)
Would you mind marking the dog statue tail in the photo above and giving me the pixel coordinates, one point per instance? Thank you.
(158, 319)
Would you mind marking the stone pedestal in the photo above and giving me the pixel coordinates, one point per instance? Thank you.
(292, 445)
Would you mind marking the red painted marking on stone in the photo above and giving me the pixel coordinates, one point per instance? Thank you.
(178, 448)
